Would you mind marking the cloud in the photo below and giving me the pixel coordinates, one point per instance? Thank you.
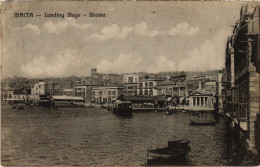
(113, 31)
(107, 33)
(34, 28)
(123, 63)
(55, 27)
(210, 55)
(141, 29)
(51, 27)
(126, 63)
(184, 29)
(57, 65)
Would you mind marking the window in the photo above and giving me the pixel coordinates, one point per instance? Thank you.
(100, 93)
(109, 92)
(130, 79)
(150, 92)
(146, 84)
(150, 84)
(114, 92)
(140, 92)
(140, 85)
(146, 92)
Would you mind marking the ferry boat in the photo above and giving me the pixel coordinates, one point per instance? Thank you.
(122, 108)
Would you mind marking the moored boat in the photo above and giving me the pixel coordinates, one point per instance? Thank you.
(168, 153)
(20, 107)
(168, 112)
(178, 143)
(122, 108)
(202, 122)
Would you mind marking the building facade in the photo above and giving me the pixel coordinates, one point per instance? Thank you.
(106, 94)
(241, 82)
(148, 87)
(202, 100)
(38, 88)
(130, 82)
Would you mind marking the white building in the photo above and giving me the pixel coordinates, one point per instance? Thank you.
(38, 88)
(106, 94)
(130, 84)
(148, 87)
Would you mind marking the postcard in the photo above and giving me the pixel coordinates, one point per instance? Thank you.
(130, 83)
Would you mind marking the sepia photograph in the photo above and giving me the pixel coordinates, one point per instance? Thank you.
(130, 83)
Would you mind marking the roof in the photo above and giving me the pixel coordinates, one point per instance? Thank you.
(144, 98)
(67, 98)
(68, 90)
(120, 102)
(201, 93)
(106, 87)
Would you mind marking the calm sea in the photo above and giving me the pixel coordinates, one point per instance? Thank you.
(89, 136)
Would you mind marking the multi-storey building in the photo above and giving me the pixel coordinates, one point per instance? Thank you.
(130, 82)
(148, 87)
(241, 80)
(38, 88)
(106, 94)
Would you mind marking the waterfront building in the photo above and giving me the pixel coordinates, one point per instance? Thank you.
(67, 101)
(174, 87)
(68, 92)
(202, 100)
(241, 81)
(83, 87)
(130, 82)
(38, 88)
(148, 87)
(106, 94)
(147, 102)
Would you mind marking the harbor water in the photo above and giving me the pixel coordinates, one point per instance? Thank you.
(92, 136)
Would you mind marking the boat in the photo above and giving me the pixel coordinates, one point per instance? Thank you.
(194, 113)
(178, 143)
(122, 108)
(13, 107)
(168, 112)
(168, 153)
(97, 106)
(202, 122)
(20, 107)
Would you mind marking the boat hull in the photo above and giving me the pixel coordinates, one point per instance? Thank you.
(168, 153)
(178, 144)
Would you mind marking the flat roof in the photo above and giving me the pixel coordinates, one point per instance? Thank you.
(145, 98)
(67, 98)
(106, 87)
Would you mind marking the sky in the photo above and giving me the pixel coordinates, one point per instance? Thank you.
(133, 37)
